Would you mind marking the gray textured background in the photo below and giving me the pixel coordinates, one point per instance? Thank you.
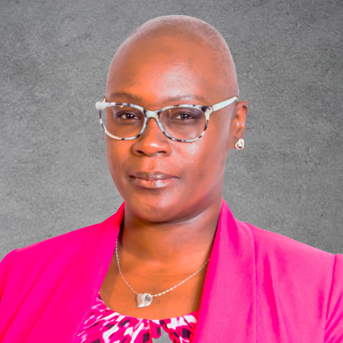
(54, 58)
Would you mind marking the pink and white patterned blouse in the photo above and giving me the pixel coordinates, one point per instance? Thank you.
(108, 326)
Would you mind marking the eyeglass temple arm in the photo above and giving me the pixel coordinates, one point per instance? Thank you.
(224, 103)
(101, 105)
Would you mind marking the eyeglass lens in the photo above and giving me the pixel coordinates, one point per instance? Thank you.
(182, 123)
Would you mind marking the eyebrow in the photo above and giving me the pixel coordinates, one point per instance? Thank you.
(132, 97)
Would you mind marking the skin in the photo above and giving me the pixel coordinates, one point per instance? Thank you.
(167, 233)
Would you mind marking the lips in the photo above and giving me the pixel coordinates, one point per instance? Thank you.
(152, 179)
(152, 176)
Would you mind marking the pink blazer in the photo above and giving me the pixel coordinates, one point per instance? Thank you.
(259, 286)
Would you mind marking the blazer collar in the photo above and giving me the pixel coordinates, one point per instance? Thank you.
(227, 311)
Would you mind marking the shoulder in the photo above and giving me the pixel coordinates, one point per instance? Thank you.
(38, 255)
(51, 245)
(267, 243)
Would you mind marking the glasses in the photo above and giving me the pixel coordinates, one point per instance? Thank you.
(182, 123)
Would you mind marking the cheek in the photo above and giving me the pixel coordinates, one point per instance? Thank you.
(213, 154)
(116, 156)
(219, 139)
(205, 160)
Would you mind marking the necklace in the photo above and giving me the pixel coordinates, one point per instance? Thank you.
(145, 299)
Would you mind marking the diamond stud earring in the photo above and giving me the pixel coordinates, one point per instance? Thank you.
(240, 144)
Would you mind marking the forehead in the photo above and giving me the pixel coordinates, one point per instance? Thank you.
(156, 69)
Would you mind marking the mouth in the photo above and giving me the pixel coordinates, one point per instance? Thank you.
(152, 179)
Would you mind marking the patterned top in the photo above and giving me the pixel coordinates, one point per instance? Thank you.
(104, 325)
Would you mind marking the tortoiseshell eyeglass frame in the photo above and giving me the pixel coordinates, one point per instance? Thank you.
(207, 110)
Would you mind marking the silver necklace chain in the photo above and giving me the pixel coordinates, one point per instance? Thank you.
(155, 295)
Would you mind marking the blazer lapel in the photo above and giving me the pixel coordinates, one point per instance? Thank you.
(227, 311)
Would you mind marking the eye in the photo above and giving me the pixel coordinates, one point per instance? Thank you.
(183, 116)
(127, 116)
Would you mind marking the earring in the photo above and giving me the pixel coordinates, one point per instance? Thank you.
(240, 144)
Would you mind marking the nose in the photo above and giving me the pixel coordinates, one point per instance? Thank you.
(152, 141)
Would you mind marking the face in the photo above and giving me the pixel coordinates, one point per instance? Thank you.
(160, 179)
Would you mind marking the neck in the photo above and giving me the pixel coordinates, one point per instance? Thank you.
(169, 244)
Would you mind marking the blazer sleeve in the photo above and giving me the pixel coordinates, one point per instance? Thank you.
(3, 267)
(334, 318)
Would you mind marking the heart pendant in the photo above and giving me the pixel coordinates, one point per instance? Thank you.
(144, 299)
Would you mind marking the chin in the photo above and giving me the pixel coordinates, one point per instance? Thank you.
(154, 209)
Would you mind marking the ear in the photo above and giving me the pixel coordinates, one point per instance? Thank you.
(238, 119)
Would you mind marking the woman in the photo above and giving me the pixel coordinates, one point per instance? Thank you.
(172, 264)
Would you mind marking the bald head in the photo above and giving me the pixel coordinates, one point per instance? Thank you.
(181, 49)
(176, 35)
